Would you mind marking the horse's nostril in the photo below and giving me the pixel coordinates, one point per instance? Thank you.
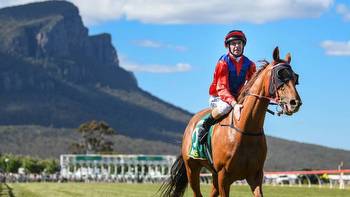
(293, 102)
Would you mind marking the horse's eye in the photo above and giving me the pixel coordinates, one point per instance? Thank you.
(284, 74)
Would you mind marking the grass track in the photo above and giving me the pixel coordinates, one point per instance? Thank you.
(144, 190)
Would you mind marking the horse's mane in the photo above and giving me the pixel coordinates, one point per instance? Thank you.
(245, 89)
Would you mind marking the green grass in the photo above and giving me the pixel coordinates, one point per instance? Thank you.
(144, 190)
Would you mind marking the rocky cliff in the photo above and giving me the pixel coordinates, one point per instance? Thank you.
(53, 73)
(52, 34)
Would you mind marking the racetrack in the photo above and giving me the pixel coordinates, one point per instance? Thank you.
(144, 190)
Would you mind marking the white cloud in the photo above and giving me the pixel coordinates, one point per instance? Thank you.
(222, 11)
(94, 12)
(153, 68)
(195, 11)
(180, 67)
(7, 3)
(344, 11)
(156, 44)
(336, 48)
(147, 43)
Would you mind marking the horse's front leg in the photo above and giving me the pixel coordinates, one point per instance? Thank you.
(255, 183)
(215, 187)
(224, 184)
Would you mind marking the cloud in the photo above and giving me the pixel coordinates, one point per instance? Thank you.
(344, 11)
(195, 11)
(6, 3)
(152, 68)
(91, 11)
(336, 48)
(180, 67)
(95, 12)
(222, 11)
(147, 43)
(155, 44)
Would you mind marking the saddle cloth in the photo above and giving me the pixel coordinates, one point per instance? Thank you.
(197, 150)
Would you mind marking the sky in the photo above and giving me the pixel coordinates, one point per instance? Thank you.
(172, 47)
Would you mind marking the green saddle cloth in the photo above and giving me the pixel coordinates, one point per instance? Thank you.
(197, 150)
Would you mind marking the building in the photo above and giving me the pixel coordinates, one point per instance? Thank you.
(116, 168)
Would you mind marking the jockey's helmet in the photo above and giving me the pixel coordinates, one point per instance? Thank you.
(235, 35)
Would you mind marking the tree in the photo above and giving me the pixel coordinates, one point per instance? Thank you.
(33, 165)
(77, 148)
(51, 166)
(13, 164)
(10, 163)
(95, 135)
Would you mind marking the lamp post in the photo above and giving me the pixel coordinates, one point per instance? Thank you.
(6, 161)
(341, 180)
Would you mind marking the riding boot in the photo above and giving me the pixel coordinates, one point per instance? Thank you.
(204, 129)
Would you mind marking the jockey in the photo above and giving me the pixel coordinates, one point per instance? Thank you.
(231, 73)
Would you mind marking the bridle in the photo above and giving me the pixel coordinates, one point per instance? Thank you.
(274, 98)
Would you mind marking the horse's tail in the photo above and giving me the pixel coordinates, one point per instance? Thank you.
(176, 185)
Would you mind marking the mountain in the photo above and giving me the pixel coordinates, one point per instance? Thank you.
(54, 76)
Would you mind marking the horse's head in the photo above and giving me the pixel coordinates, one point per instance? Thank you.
(282, 84)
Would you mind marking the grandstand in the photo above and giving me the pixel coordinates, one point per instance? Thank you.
(116, 168)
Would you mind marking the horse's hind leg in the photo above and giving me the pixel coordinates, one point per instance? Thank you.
(257, 190)
(193, 169)
(255, 184)
(215, 188)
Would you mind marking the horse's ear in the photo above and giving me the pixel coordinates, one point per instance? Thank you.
(276, 54)
(288, 58)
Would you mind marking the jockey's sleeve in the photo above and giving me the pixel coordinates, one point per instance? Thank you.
(222, 86)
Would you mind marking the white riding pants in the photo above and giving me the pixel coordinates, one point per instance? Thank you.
(221, 106)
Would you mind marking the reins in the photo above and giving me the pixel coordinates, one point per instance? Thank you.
(272, 101)
(248, 133)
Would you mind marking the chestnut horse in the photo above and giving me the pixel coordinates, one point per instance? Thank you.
(239, 149)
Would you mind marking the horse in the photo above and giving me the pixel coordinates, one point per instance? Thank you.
(238, 146)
